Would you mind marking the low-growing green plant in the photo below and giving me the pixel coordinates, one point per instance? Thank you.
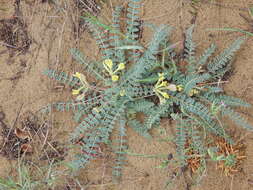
(30, 178)
(230, 160)
(131, 78)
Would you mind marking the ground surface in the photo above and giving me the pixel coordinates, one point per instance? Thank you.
(43, 33)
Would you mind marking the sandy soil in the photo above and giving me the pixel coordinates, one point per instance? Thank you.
(50, 31)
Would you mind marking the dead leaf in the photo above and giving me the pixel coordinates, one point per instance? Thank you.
(21, 134)
(26, 148)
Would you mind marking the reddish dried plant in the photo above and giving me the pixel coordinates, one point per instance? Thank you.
(194, 158)
(234, 154)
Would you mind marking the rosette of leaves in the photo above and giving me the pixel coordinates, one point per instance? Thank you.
(132, 78)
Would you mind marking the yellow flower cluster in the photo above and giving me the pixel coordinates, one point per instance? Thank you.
(193, 92)
(84, 86)
(162, 86)
(108, 65)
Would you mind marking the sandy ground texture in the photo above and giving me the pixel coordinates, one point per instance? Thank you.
(36, 34)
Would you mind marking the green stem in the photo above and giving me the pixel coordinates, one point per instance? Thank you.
(231, 30)
(147, 156)
(95, 21)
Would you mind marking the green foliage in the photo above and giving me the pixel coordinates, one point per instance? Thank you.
(93, 68)
(30, 178)
(221, 64)
(133, 82)
(181, 137)
(191, 81)
(120, 149)
(190, 49)
(229, 160)
(61, 77)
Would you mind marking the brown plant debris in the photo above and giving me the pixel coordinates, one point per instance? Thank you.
(85, 6)
(194, 160)
(29, 121)
(234, 151)
(12, 147)
(26, 148)
(55, 152)
(13, 32)
(18, 140)
(22, 134)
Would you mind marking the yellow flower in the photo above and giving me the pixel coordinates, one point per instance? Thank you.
(115, 78)
(121, 66)
(83, 87)
(108, 65)
(122, 93)
(161, 77)
(160, 83)
(75, 92)
(163, 84)
(193, 92)
(165, 94)
(77, 75)
(179, 88)
(82, 78)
